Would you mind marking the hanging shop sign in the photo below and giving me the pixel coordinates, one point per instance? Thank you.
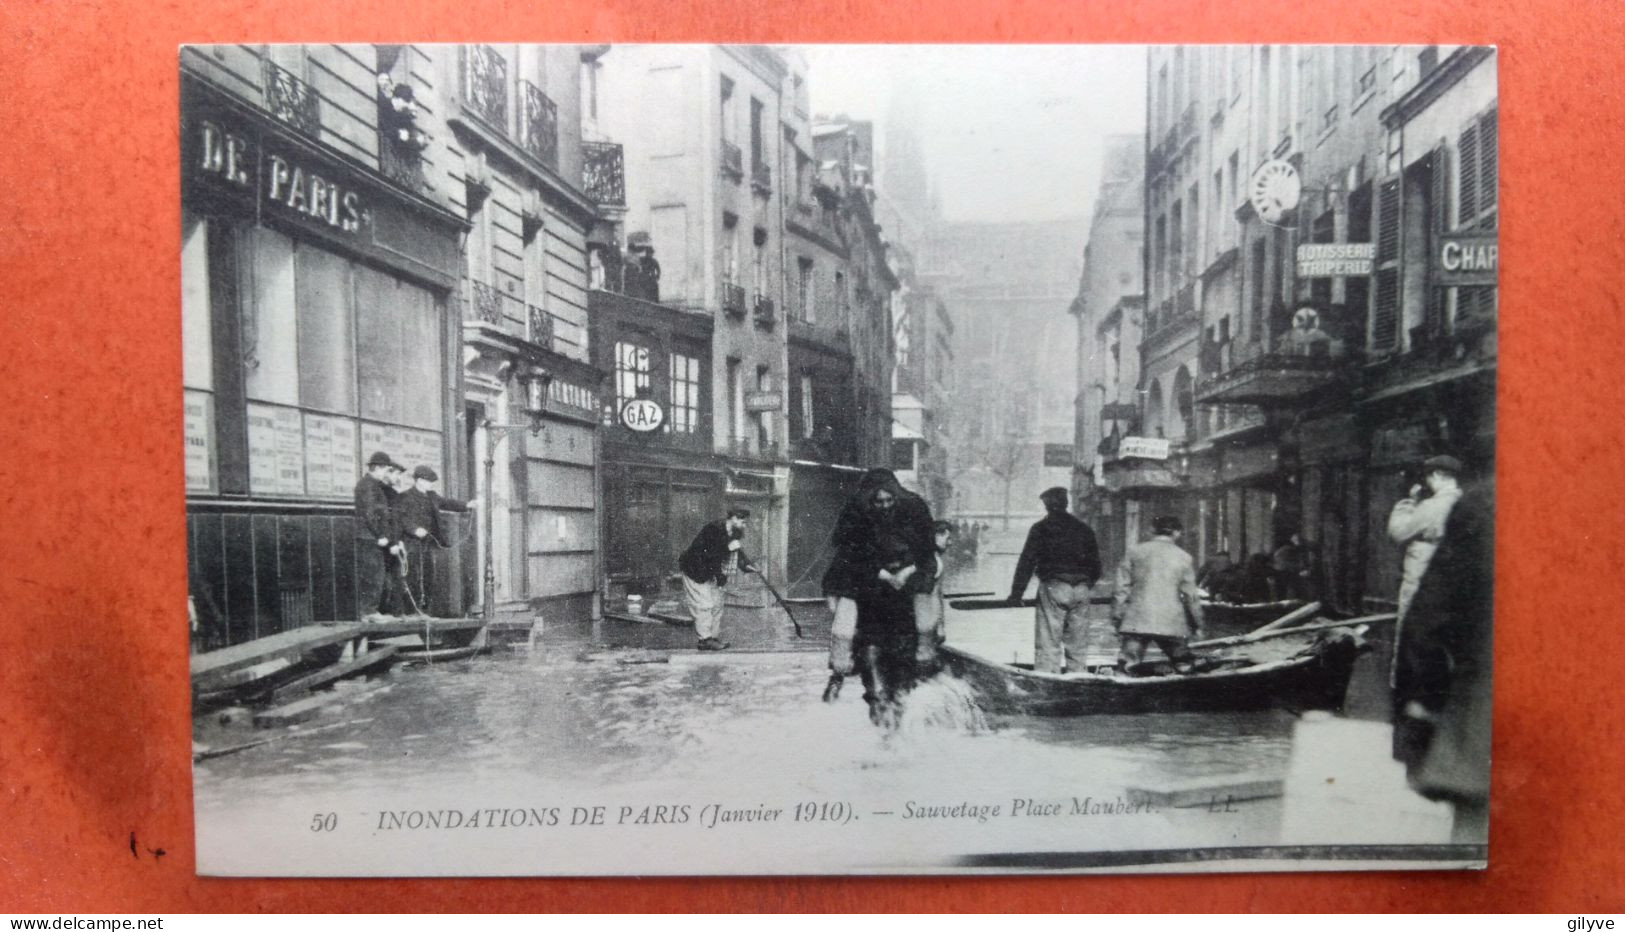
(1466, 260)
(763, 401)
(1145, 448)
(1334, 260)
(642, 415)
(1058, 455)
(1119, 411)
(1274, 189)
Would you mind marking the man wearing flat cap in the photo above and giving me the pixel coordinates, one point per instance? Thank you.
(1156, 600)
(1062, 552)
(375, 536)
(417, 512)
(1417, 524)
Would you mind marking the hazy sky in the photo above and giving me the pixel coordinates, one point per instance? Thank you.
(1010, 131)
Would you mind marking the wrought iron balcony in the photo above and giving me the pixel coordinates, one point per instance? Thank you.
(485, 303)
(733, 299)
(540, 327)
(1269, 379)
(539, 124)
(402, 165)
(603, 172)
(292, 101)
(1187, 122)
(763, 309)
(761, 178)
(484, 84)
(751, 449)
(733, 160)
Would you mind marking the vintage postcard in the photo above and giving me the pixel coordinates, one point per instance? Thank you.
(720, 459)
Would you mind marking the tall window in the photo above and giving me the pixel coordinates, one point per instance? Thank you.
(730, 249)
(685, 394)
(1176, 245)
(1193, 204)
(736, 401)
(808, 428)
(764, 419)
(313, 398)
(725, 110)
(757, 153)
(805, 294)
(1260, 283)
(631, 372)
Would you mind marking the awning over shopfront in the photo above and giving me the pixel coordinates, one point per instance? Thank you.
(1269, 379)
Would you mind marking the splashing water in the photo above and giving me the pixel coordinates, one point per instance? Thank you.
(942, 703)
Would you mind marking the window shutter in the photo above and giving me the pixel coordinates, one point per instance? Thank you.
(1385, 291)
(1388, 221)
(1489, 160)
(1467, 149)
(1439, 222)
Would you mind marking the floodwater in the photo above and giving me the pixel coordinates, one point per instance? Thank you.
(569, 729)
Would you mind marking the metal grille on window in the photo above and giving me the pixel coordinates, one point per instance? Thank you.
(485, 84)
(292, 101)
(539, 127)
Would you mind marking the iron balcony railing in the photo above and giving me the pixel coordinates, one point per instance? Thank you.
(761, 178)
(292, 101)
(484, 84)
(603, 171)
(485, 303)
(752, 449)
(539, 124)
(540, 327)
(763, 310)
(733, 299)
(733, 160)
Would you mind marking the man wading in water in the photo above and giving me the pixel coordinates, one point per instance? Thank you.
(884, 557)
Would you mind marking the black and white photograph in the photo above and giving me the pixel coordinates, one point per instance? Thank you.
(643, 459)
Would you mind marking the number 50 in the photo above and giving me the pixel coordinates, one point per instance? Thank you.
(324, 822)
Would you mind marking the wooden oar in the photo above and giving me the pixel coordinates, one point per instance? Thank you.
(983, 605)
(1262, 635)
(1303, 611)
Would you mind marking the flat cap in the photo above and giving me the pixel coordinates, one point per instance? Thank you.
(379, 459)
(424, 472)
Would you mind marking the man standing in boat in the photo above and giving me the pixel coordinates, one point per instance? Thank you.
(375, 537)
(1157, 601)
(705, 567)
(1061, 550)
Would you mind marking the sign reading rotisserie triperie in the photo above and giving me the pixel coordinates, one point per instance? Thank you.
(1331, 260)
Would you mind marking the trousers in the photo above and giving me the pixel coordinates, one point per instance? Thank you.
(704, 602)
(1060, 626)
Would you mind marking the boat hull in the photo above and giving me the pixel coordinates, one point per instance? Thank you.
(1317, 679)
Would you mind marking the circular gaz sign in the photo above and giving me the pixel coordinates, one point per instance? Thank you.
(641, 414)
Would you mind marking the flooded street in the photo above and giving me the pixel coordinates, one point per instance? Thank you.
(568, 726)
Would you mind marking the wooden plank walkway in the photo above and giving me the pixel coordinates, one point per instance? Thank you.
(337, 671)
(286, 645)
(209, 669)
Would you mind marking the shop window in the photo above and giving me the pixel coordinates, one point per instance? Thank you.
(270, 348)
(685, 394)
(197, 356)
(631, 372)
(325, 340)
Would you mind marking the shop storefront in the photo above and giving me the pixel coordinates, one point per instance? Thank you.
(659, 469)
(316, 331)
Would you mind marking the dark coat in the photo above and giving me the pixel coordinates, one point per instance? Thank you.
(1059, 545)
(417, 509)
(1444, 658)
(706, 559)
(373, 519)
(863, 545)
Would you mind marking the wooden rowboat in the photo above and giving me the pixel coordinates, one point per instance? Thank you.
(1245, 616)
(1304, 671)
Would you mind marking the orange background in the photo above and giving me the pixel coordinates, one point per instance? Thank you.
(94, 725)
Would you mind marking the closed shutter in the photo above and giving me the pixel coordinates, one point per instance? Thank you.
(1467, 148)
(1385, 291)
(1438, 224)
(1488, 161)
